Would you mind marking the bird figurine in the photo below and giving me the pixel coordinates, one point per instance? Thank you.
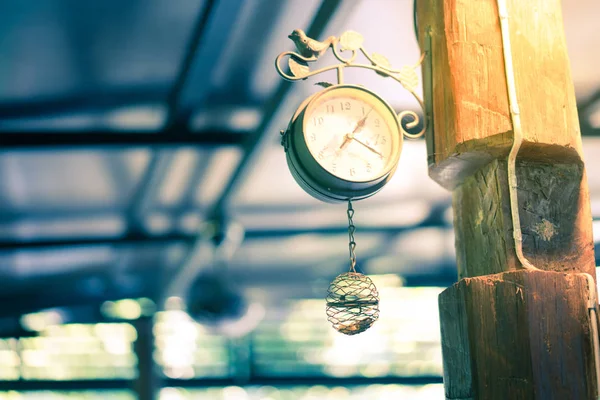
(307, 47)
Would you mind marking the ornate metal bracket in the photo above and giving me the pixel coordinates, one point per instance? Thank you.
(309, 50)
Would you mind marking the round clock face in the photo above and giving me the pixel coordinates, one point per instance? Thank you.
(352, 134)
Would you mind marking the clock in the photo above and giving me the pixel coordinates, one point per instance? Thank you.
(343, 143)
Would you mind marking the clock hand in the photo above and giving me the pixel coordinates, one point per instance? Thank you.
(369, 147)
(359, 125)
(347, 139)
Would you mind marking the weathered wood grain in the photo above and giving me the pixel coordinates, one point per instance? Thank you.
(555, 219)
(517, 335)
(471, 112)
(508, 333)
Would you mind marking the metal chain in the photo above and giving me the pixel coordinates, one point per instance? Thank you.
(352, 243)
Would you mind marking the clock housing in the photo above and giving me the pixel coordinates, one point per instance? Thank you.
(343, 143)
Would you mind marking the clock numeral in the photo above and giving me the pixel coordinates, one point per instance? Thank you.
(321, 155)
(352, 172)
(369, 167)
(330, 109)
(363, 110)
(313, 137)
(376, 122)
(345, 105)
(318, 121)
(380, 139)
(334, 166)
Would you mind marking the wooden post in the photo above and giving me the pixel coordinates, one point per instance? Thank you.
(508, 332)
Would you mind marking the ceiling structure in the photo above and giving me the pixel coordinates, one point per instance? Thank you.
(125, 127)
(128, 129)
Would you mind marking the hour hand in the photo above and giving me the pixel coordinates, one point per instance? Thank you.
(361, 123)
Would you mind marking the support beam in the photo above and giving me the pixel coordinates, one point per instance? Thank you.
(102, 140)
(258, 139)
(586, 109)
(518, 335)
(134, 239)
(254, 143)
(145, 238)
(151, 182)
(510, 333)
(555, 218)
(120, 384)
(147, 384)
(81, 103)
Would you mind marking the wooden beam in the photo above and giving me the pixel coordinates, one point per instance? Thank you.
(471, 111)
(509, 333)
(509, 336)
(555, 219)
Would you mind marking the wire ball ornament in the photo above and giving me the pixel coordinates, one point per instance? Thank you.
(352, 303)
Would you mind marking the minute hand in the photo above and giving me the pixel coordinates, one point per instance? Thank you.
(368, 147)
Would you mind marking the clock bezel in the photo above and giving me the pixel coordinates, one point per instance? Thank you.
(313, 177)
(367, 97)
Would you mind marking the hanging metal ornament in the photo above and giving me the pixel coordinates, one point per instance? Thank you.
(352, 298)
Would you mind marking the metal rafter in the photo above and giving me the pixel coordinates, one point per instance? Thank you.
(85, 102)
(191, 265)
(160, 162)
(145, 238)
(256, 139)
(584, 110)
(115, 384)
(66, 292)
(100, 140)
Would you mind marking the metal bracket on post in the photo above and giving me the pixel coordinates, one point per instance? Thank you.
(593, 313)
(428, 96)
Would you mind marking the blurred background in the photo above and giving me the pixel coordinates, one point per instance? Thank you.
(141, 176)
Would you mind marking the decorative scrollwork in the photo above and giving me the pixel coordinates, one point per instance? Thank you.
(309, 50)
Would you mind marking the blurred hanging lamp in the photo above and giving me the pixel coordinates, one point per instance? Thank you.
(202, 285)
(213, 300)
